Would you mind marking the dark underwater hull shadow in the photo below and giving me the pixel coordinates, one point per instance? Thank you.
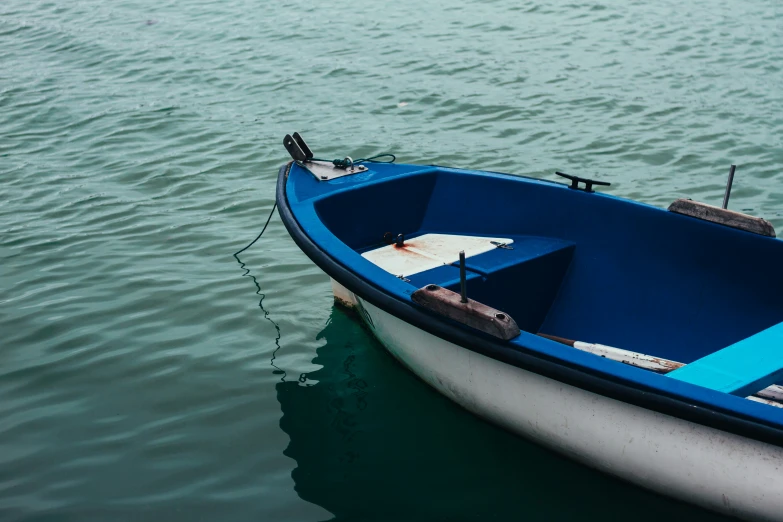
(372, 442)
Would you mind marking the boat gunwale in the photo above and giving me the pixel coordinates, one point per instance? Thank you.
(582, 377)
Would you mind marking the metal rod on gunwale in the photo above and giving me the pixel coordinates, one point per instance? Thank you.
(462, 283)
(728, 187)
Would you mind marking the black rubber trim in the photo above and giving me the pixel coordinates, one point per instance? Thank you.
(491, 347)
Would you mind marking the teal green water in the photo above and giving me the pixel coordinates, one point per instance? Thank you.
(146, 375)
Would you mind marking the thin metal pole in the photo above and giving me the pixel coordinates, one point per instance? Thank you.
(462, 283)
(728, 187)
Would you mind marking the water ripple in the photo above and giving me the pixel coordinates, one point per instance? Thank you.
(143, 374)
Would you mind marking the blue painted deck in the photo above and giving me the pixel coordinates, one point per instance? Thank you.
(742, 368)
(590, 267)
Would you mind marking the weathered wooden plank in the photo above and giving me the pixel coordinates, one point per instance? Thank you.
(429, 251)
(474, 314)
(764, 401)
(640, 360)
(772, 394)
(723, 216)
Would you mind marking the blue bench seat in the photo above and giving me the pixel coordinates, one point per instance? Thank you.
(741, 369)
(522, 281)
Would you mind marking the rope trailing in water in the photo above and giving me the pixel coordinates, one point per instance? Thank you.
(277, 370)
(262, 231)
(347, 162)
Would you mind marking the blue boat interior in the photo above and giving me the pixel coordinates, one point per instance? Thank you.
(584, 266)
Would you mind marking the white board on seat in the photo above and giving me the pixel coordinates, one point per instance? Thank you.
(429, 251)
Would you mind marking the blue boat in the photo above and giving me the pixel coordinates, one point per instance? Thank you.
(643, 342)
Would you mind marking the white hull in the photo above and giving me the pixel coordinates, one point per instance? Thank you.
(714, 469)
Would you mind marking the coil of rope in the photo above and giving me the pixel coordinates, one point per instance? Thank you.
(348, 162)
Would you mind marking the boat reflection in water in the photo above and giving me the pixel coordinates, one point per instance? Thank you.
(372, 442)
